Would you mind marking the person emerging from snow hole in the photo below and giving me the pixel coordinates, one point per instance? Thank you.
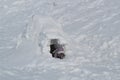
(57, 49)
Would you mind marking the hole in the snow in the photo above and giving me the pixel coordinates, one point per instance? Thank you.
(56, 49)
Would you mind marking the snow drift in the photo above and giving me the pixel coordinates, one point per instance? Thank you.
(89, 28)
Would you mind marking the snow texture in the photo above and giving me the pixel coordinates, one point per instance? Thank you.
(89, 29)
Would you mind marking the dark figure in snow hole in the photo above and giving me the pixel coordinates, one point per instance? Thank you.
(57, 49)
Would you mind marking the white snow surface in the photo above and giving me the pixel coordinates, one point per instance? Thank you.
(90, 30)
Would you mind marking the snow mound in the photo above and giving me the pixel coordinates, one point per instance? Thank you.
(34, 42)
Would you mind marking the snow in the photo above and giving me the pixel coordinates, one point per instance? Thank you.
(88, 28)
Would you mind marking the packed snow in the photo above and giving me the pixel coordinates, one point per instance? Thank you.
(89, 29)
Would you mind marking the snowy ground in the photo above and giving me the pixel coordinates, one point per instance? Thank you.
(89, 28)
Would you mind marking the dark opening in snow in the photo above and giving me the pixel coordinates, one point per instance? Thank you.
(57, 49)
